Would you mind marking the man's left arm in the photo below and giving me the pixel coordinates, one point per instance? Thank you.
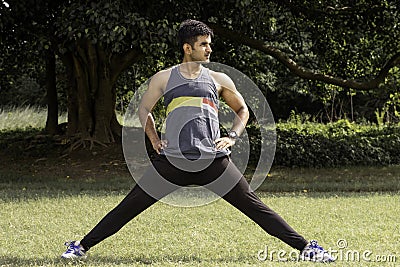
(236, 102)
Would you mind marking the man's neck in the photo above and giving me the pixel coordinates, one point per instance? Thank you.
(190, 69)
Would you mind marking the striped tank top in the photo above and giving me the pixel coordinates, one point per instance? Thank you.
(191, 124)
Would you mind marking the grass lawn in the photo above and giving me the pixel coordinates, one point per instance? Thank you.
(39, 215)
(46, 200)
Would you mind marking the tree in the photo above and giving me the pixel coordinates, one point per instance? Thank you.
(99, 40)
(352, 45)
(26, 40)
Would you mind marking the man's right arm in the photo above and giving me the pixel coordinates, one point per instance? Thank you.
(147, 103)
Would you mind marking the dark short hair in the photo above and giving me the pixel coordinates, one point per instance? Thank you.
(190, 29)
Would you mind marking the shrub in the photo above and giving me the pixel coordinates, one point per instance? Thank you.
(24, 91)
(336, 144)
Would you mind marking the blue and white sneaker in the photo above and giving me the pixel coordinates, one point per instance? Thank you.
(316, 253)
(74, 251)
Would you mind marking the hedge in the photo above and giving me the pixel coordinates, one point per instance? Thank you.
(331, 145)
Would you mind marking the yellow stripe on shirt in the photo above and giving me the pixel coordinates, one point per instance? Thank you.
(184, 101)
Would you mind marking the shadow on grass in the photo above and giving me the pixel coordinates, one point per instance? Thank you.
(25, 187)
(347, 179)
(309, 182)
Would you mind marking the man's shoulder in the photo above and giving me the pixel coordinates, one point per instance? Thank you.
(218, 74)
(163, 74)
(220, 77)
(160, 79)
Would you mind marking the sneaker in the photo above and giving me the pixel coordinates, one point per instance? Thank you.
(74, 251)
(316, 253)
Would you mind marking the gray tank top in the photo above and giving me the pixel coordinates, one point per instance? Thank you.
(192, 124)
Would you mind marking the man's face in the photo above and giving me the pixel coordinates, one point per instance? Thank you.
(201, 49)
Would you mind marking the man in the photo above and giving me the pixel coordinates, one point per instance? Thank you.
(191, 151)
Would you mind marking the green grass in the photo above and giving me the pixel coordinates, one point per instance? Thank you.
(349, 179)
(38, 214)
(13, 118)
(24, 117)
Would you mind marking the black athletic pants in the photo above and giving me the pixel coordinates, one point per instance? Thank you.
(240, 196)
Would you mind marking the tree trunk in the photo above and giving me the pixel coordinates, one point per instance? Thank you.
(92, 96)
(51, 88)
(72, 98)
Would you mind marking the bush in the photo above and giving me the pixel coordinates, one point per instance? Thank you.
(24, 91)
(336, 144)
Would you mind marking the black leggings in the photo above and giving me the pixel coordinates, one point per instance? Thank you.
(239, 195)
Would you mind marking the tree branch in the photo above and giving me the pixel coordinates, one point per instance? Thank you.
(122, 61)
(301, 71)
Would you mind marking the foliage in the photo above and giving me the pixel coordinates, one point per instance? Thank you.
(116, 26)
(341, 143)
(24, 90)
(25, 39)
(338, 38)
(345, 39)
(348, 39)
